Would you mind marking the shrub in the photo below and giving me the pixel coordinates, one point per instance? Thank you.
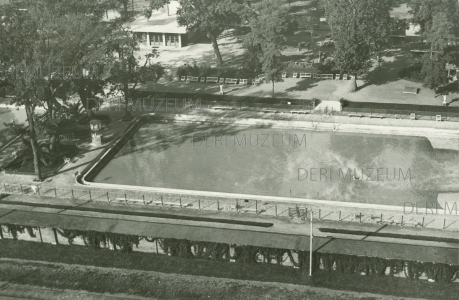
(412, 72)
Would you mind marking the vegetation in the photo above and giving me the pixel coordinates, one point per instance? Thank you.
(439, 22)
(358, 28)
(266, 40)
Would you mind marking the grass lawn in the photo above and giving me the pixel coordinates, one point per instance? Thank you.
(173, 265)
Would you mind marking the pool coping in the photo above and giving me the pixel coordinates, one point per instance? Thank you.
(81, 178)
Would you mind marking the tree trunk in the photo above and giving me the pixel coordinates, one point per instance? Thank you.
(213, 39)
(272, 93)
(127, 116)
(353, 87)
(125, 10)
(33, 139)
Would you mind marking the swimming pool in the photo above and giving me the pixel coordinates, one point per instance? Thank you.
(217, 158)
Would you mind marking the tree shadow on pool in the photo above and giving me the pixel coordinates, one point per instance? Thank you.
(178, 134)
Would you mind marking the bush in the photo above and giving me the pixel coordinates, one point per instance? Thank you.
(412, 72)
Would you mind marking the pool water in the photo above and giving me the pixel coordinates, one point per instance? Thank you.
(176, 156)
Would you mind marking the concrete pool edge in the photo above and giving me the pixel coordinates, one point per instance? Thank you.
(82, 179)
(436, 136)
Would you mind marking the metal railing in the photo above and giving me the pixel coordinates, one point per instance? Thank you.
(293, 211)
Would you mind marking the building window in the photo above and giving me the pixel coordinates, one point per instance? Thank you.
(156, 39)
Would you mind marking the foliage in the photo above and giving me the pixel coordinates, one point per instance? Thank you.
(358, 28)
(210, 17)
(412, 72)
(267, 38)
(433, 72)
(424, 12)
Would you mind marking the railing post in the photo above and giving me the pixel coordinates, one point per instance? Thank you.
(125, 198)
(39, 231)
(218, 205)
(108, 198)
(180, 202)
(422, 225)
(162, 202)
(55, 192)
(38, 191)
(256, 207)
(401, 223)
(339, 216)
(319, 213)
(360, 217)
(237, 205)
(444, 223)
(73, 197)
(22, 191)
(199, 204)
(275, 210)
(143, 198)
(90, 198)
(4, 186)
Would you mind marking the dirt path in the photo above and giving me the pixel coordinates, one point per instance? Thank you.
(58, 277)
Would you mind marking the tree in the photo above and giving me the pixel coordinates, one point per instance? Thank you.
(433, 71)
(18, 35)
(210, 17)
(126, 73)
(358, 27)
(267, 38)
(439, 21)
(424, 11)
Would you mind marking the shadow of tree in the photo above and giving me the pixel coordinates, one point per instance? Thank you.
(387, 72)
(302, 85)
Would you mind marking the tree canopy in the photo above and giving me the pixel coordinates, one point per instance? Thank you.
(358, 28)
(269, 25)
(210, 17)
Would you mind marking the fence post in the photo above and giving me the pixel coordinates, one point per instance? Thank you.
(90, 198)
(444, 223)
(1, 232)
(319, 213)
(162, 202)
(108, 198)
(73, 197)
(55, 236)
(4, 186)
(22, 191)
(339, 216)
(38, 191)
(401, 224)
(199, 204)
(256, 207)
(218, 205)
(180, 202)
(275, 210)
(143, 198)
(237, 205)
(55, 192)
(422, 225)
(360, 217)
(381, 218)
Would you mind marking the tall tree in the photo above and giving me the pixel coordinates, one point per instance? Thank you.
(267, 38)
(357, 26)
(126, 73)
(210, 17)
(18, 35)
(439, 21)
